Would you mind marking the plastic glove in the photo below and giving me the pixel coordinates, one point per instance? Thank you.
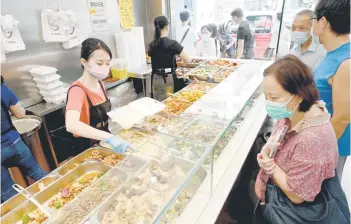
(118, 144)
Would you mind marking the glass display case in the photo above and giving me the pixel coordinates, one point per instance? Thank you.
(175, 153)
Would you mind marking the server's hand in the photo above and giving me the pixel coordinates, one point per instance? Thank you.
(118, 144)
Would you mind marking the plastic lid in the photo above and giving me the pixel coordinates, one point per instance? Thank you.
(43, 70)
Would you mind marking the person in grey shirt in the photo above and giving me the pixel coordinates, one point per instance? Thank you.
(304, 47)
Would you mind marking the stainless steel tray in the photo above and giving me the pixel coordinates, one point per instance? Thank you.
(186, 166)
(33, 189)
(15, 216)
(79, 210)
(45, 196)
(85, 156)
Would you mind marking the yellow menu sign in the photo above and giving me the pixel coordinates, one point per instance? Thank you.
(126, 13)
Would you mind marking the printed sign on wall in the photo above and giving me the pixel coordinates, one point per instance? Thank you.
(126, 13)
(98, 18)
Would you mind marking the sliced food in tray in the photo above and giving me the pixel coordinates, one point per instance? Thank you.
(202, 86)
(134, 136)
(203, 73)
(188, 95)
(176, 107)
(223, 74)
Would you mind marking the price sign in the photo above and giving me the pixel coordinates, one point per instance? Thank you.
(97, 14)
(126, 13)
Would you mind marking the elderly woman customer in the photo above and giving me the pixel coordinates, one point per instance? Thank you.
(303, 168)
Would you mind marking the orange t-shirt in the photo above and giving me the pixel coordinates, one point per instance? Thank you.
(77, 100)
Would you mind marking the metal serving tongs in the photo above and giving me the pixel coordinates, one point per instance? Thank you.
(29, 196)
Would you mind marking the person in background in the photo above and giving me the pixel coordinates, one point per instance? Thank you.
(207, 46)
(331, 27)
(188, 36)
(87, 101)
(215, 34)
(163, 52)
(245, 35)
(226, 39)
(284, 41)
(14, 153)
(308, 153)
(304, 47)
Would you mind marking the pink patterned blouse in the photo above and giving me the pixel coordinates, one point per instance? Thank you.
(308, 155)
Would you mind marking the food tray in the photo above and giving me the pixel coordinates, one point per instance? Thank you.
(175, 107)
(87, 202)
(218, 62)
(181, 72)
(157, 121)
(177, 124)
(25, 209)
(133, 163)
(46, 196)
(53, 91)
(86, 156)
(187, 65)
(134, 136)
(202, 86)
(43, 70)
(188, 95)
(204, 131)
(223, 74)
(152, 195)
(33, 189)
(203, 73)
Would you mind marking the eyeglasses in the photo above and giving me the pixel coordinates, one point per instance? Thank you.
(313, 18)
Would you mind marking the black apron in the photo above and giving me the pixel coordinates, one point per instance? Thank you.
(98, 120)
(178, 84)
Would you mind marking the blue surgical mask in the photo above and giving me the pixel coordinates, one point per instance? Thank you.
(278, 110)
(299, 37)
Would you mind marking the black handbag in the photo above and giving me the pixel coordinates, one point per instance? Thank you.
(329, 207)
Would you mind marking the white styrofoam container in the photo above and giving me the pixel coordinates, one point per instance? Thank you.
(53, 91)
(43, 70)
(46, 78)
(147, 106)
(126, 116)
(56, 99)
(50, 86)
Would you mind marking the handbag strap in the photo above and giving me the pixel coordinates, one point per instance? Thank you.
(184, 35)
(292, 207)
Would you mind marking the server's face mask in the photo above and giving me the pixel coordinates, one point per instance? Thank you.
(98, 66)
(97, 71)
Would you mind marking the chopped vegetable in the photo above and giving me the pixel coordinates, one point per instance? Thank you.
(25, 218)
(65, 192)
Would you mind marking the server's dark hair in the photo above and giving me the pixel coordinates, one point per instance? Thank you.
(160, 23)
(92, 44)
(184, 16)
(296, 78)
(207, 27)
(337, 13)
(238, 12)
(214, 30)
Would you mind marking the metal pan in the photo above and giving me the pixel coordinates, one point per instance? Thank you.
(16, 215)
(84, 156)
(33, 189)
(79, 210)
(186, 166)
(45, 196)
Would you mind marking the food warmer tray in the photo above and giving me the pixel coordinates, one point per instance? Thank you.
(85, 156)
(33, 189)
(186, 166)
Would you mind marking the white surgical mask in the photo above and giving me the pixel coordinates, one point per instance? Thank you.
(299, 37)
(206, 37)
